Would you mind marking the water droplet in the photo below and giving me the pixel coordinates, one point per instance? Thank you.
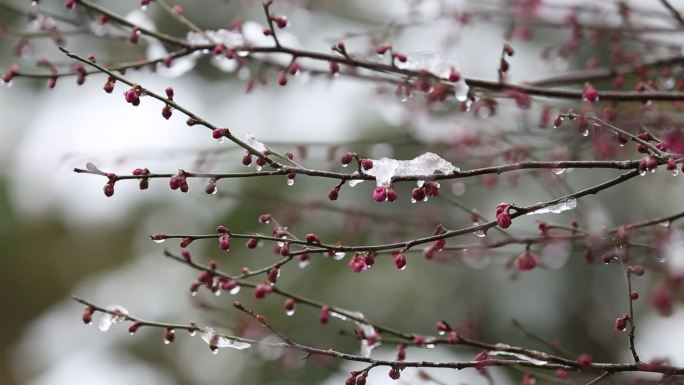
(585, 132)
(166, 342)
(217, 292)
(413, 200)
(429, 346)
(290, 182)
(345, 165)
(403, 267)
(420, 183)
(558, 171)
(355, 182)
(675, 172)
(194, 294)
(642, 172)
(480, 234)
(214, 350)
(339, 255)
(303, 264)
(221, 139)
(159, 240)
(259, 168)
(290, 313)
(441, 332)
(193, 333)
(234, 290)
(143, 8)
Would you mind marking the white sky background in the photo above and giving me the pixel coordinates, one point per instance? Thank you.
(40, 132)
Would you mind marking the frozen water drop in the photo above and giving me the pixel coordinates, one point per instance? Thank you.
(564, 205)
(109, 319)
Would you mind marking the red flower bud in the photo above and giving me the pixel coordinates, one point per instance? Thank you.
(324, 315)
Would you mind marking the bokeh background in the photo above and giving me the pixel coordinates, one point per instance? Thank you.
(60, 236)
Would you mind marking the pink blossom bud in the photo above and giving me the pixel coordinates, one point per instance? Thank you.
(590, 94)
(311, 238)
(380, 194)
(527, 261)
(324, 315)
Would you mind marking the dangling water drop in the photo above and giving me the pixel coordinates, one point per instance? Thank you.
(303, 264)
(345, 165)
(403, 267)
(480, 234)
(234, 290)
(143, 8)
(221, 139)
(675, 172)
(585, 132)
(214, 350)
(642, 172)
(558, 171)
(193, 293)
(339, 256)
(413, 200)
(290, 182)
(193, 333)
(159, 240)
(429, 346)
(290, 312)
(441, 332)
(258, 168)
(217, 292)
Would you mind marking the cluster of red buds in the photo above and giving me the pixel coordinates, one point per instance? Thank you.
(503, 216)
(132, 95)
(142, 172)
(179, 181)
(385, 193)
(425, 191)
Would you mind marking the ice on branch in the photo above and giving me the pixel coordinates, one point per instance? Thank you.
(228, 38)
(518, 356)
(118, 314)
(249, 138)
(215, 341)
(433, 62)
(564, 205)
(371, 340)
(426, 165)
